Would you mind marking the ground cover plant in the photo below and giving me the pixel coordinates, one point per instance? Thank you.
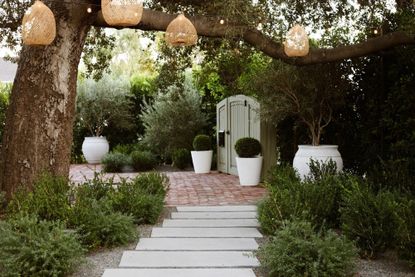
(32, 247)
(46, 232)
(297, 250)
(374, 220)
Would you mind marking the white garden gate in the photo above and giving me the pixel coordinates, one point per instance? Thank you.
(237, 117)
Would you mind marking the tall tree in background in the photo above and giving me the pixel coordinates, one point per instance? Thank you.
(38, 131)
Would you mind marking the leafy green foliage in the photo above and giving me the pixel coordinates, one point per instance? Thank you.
(48, 200)
(143, 160)
(303, 92)
(96, 188)
(406, 231)
(5, 90)
(181, 158)
(247, 147)
(317, 199)
(99, 226)
(173, 120)
(114, 162)
(104, 102)
(369, 218)
(202, 143)
(29, 247)
(143, 198)
(296, 250)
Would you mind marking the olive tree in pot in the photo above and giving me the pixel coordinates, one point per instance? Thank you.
(98, 104)
(202, 154)
(309, 93)
(249, 161)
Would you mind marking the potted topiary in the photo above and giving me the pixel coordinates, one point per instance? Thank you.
(249, 161)
(202, 154)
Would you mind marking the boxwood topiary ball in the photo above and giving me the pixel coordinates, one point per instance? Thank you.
(202, 143)
(248, 147)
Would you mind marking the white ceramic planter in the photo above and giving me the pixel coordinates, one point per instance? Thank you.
(94, 149)
(202, 161)
(249, 170)
(322, 153)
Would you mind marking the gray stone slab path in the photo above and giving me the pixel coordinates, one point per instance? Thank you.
(213, 215)
(205, 233)
(180, 272)
(211, 241)
(248, 208)
(197, 244)
(210, 223)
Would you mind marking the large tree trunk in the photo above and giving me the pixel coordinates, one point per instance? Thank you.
(38, 131)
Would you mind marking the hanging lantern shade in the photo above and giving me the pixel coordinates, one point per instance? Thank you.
(181, 32)
(296, 43)
(122, 12)
(39, 26)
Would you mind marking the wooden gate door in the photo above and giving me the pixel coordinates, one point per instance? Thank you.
(237, 117)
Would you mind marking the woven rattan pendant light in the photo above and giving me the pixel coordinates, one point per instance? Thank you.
(181, 32)
(122, 12)
(296, 43)
(39, 26)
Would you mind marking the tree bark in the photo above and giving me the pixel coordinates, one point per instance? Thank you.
(38, 131)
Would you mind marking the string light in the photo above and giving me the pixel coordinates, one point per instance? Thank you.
(89, 10)
(222, 21)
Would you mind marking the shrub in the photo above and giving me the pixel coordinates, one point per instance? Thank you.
(152, 183)
(98, 226)
(96, 188)
(48, 201)
(317, 200)
(143, 198)
(369, 219)
(173, 119)
(202, 143)
(247, 147)
(296, 250)
(124, 149)
(406, 232)
(143, 160)
(114, 162)
(181, 158)
(32, 248)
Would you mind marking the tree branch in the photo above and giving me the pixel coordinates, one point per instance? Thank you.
(158, 21)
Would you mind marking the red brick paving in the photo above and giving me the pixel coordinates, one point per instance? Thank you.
(188, 188)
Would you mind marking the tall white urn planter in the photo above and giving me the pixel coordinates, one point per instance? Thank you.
(321, 153)
(94, 149)
(249, 170)
(202, 161)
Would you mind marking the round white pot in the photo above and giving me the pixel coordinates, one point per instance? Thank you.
(94, 149)
(321, 153)
(202, 161)
(249, 170)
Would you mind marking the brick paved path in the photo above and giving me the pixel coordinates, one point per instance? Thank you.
(188, 188)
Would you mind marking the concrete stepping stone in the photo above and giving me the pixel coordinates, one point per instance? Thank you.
(244, 208)
(210, 223)
(182, 272)
(205, 233)
(197, 244)
(188, 259)
(213, 215)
